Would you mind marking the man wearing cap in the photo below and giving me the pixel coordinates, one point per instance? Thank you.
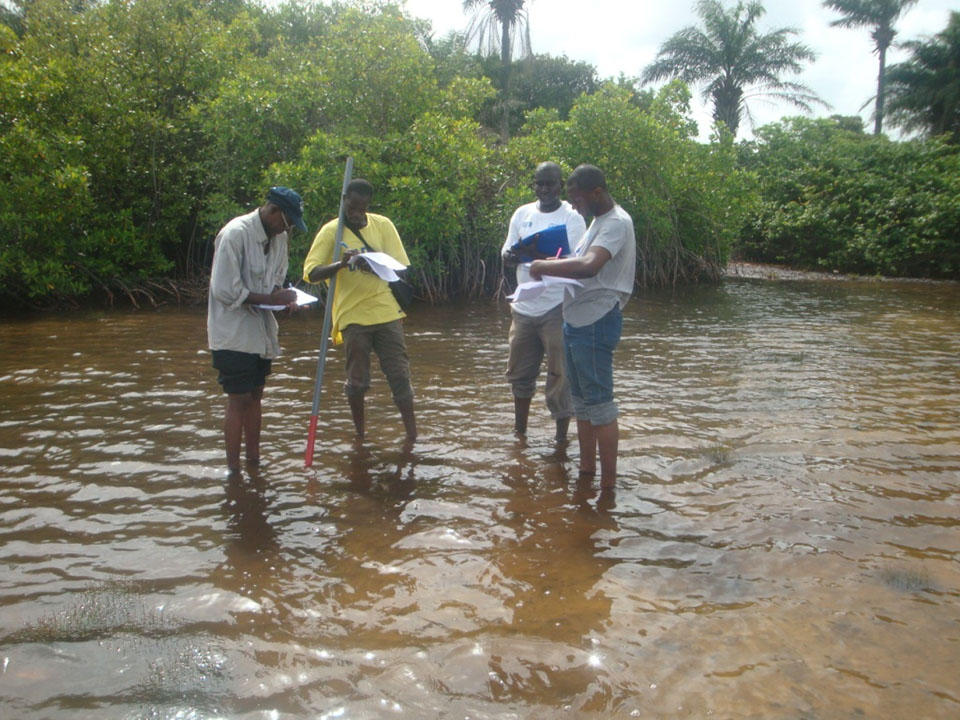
(249, 269)
(366, 316)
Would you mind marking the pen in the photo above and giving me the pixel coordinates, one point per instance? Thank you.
(559, 250)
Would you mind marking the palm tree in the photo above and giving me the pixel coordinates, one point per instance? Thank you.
(879, 15)
(924, 91)
(733, 61)
(497, 26)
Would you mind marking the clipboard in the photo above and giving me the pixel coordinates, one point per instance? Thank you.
(547, 241)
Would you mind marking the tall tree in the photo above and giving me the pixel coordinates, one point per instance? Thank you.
(733, 61)
(500, 25)
(924, 91)
(540, 81)
(879, 16)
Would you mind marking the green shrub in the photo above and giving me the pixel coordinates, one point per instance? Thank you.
(833, 198)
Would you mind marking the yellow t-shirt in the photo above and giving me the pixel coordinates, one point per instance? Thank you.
(360, 298)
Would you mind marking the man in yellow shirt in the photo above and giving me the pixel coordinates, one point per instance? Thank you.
(365, 313)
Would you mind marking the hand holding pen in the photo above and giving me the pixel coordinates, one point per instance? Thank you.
(535, 267)
(347, 254)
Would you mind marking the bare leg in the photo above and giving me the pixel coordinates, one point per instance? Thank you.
(587, 440)
(521, 412)
(608, 438)
(409, 419)
(252, 420)
(233, 423)
(356, 410)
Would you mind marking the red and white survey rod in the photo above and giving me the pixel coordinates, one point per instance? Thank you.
(327, 317)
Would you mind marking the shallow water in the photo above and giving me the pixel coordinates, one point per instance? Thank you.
(783, 541)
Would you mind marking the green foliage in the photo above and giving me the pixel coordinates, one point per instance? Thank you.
(358, 74)
(924, 91)
(539, 81)
(500, 26)
(55, 243)
(132, 131)
(121, 77)
(686, 199)
(836, 199)
(428, 181)
(879, 16)
(451, 59)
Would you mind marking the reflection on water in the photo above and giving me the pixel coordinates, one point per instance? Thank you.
(783, 541)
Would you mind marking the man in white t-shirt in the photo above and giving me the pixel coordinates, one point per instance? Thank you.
(537, 325)
(605, 262)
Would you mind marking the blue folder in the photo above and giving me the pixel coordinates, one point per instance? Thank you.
(548, 241)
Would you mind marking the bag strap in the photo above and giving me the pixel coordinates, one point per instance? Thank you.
(365, 243)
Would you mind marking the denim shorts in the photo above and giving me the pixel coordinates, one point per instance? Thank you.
(240, 372)
(589, 352)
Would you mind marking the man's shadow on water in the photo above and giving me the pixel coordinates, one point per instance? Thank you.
(365, 491)
(552, 578)
(364, 472)
(247, 507)
(561, 525)
(254, 565)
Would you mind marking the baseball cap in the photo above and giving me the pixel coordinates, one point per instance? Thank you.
(291, 204)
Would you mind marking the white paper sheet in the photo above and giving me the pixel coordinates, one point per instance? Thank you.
(302, 299)
(383, 265)
(530, 290)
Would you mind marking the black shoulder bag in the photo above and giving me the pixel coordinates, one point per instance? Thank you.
(401, 289)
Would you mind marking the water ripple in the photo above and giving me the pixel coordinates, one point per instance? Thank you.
(782, 541)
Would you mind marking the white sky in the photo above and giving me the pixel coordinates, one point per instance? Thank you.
(624, 36)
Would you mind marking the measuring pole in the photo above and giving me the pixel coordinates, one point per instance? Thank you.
(327, 318)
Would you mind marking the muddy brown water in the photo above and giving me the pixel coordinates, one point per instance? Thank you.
(783, 543)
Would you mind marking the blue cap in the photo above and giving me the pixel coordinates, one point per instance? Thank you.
(291, 204)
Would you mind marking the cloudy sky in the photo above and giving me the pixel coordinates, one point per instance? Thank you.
(624, 36)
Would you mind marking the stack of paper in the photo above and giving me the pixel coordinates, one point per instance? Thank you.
(302, 299)
(530, 290)
(383, 265)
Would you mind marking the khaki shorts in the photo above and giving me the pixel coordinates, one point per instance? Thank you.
(386, 340)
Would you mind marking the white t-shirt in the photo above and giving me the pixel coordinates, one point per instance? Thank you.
(612, 231)
(527, 220)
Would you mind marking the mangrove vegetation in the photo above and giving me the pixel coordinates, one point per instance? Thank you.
(132, 130)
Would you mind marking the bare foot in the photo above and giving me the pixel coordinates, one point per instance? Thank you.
(607, 499)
